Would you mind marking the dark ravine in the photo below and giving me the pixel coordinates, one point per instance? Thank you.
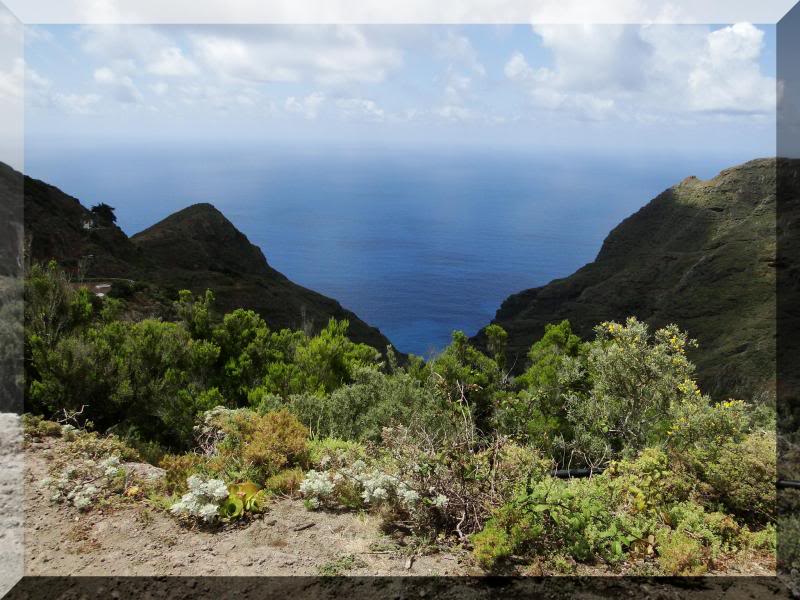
(196, 248)
(701, 255)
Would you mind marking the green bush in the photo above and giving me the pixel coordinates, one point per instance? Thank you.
(146, 375)
(537, 413)
(464, 375)
(95, 446)
(286, 482)
(253, 447)
(334, 452)
(743, 477)
(359, 411)
(788, 542)
(680, 554)
(36, 426)
(636, 378)
(578, 518)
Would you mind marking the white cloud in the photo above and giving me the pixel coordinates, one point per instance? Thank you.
(21, 81)
(119, 42)
(171, 62)
(234, 59)
(458, 49)
(517, 69)
(78, 104)
(457, 87)
(122, 86)
(455, 113)
(308, 107)
(727, 76)
(646, 72)
(360, 108)
(12, 80)
(159, 88)
(609, 12)
(325, 55)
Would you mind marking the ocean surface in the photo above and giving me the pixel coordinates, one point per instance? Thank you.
(417, 241)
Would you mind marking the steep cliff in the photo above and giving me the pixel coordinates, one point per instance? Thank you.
(701, 255)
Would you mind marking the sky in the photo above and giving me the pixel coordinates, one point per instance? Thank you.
(604, 87)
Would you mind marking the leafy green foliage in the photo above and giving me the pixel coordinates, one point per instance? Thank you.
(464, 375)
(635, 380)
(454, 448)
(360, 410)
(555, 516)
(537, 413)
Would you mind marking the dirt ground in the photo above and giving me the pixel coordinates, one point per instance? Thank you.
(135, 540)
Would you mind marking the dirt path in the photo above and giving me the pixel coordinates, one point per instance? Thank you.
(286, 540)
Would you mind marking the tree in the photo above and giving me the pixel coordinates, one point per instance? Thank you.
(496, 339)
(104, 213)
(537, 412)
(465, 374)
(636, 381)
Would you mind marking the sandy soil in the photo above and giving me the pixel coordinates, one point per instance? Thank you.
(135, 540)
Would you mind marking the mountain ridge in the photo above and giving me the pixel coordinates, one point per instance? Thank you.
(702, 255)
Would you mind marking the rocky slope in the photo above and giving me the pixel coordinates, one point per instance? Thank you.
(196, 248)
(702, 255)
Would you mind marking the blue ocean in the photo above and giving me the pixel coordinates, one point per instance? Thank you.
(417, 241)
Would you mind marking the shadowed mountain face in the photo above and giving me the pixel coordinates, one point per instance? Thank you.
(199, 237)
(196, 248)
(701, 255)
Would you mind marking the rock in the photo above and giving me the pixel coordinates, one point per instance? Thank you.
(144, 471)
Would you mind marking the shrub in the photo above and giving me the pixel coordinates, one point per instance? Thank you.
(650, 481)
(577, 518)
(359, 411)
(679, 554)
(148, 375)
(694, 539)
(85, 481)
(178, 468)
(699, 429)
(90, 470)
(249, 446)
(538, 412)
(636, 378)
(464, 375)
(93, 445)
(36, 426)
(334, 452)
(444, 485)
(788, 542)
(743, 477)
(286, 482)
